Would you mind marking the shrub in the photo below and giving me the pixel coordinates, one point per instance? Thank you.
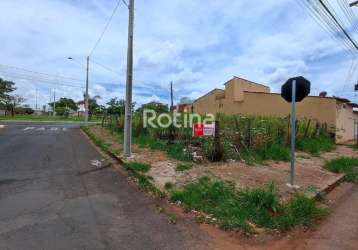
(138, 167)
(179, 152)
(346, 165)
(299, 211)
(316, 145)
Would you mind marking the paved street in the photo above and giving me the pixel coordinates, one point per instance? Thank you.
(46, 203)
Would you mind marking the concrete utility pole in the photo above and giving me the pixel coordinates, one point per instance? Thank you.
(128, 108)
(171, 96)
(355, 3)
(86, 94)
(54, 102)
(36, 101)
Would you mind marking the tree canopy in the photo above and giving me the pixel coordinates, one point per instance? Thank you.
(6, 87)
(116, 107)
(65, 103)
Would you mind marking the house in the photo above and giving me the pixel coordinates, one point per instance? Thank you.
(183, 108)
(242, 96)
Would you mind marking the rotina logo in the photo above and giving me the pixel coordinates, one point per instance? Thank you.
(165, 120)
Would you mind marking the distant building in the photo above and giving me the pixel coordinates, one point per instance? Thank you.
(185, 106)
(242, 96)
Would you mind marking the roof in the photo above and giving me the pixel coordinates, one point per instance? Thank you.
(214, 90)
(236, 77)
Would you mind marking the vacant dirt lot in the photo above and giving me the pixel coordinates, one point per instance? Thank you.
(310, 176)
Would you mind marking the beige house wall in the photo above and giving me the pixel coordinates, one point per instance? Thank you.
(264, 104)
(345, 123)
(244, 97)
(236, 87)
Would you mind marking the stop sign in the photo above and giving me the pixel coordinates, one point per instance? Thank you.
(303, 89)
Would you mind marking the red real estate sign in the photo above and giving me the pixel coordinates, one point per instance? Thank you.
(198, 130)
(201, 130)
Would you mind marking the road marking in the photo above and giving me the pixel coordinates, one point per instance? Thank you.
(54, 129)
(41, 129)
(97, 163)
(2, 126)
(29, 128)
(64, 129)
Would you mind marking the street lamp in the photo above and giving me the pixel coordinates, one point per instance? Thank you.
(86, 94)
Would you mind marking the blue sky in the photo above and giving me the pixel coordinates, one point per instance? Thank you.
(198, 45)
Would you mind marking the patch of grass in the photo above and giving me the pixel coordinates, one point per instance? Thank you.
(172, 218)
(346, 165)
(145, 184)
(273, 152)
(168, 186)
(354, 147)
(300, 210)
(241, 209)
(316, 145)
(184, 166)
(179, 152)
(176, 151)
(139, 167)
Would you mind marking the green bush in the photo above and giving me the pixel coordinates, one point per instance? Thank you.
(179, 152)
(299, 211)
(238, 209)
(138, 166)
(316, 145)
(346, 165)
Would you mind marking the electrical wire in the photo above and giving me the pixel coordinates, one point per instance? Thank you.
(105, 28)
(321, 20)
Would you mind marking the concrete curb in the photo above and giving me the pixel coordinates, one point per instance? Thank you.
(328, 188)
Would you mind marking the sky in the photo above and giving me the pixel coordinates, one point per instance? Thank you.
(199, 45)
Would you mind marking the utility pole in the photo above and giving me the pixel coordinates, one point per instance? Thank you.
(86, 94)
(54, 102)
(355, 3)
(36, 102)
(49, 113)
(171, 96)
(129, 83)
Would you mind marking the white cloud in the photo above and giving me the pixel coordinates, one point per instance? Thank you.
(197, 45)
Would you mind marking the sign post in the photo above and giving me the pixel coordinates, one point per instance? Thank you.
(293, 133)
(294, 90)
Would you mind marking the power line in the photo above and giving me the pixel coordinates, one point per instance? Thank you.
(39, 73)
(322, 20)
(337, 22)
(53, 82)
(105, 67)
(44, 76)
(105, 27)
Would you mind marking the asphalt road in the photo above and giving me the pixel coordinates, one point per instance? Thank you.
(46, 203)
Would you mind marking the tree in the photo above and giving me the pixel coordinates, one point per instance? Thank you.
(93, 107)
(13, 102)
(65, 103)
(156, 106)
(6, 87)
(116, 107)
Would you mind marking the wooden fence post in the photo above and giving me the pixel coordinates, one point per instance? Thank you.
(307, 128)
(218, 154)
